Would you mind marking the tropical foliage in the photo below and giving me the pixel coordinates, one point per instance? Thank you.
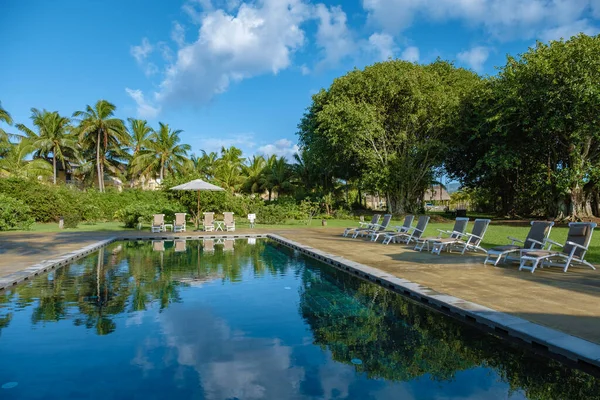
(525, 141)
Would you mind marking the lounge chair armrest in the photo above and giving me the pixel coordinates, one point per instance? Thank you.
(552, 242)
(533, 241)
(513, 239)
(444, 231)
(576, 245)
(461, 234)
(470, 235)
(418, 230)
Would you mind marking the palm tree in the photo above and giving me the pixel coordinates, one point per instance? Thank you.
(98, 128)
(206, 164)
(15, 162)
(163, 153)
(7, 119)
(52, 137)
(139, 131)
(254, 174)
(278, 175)
(229, 168)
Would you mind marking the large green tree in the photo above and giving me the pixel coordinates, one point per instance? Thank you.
(99, 130)
(387, 124)
(53, 137)
(529, 137)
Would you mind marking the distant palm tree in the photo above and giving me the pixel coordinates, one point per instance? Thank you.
(278, 175)
(7, 119)
(254, 174)
(164, 153)
(139, 131)
(229, 168)
(53, 136)
(5, 136)
(98, 128)
(206, 164)
(15, 162)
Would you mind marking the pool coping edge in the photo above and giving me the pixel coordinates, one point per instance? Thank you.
(15, 278)
(555, 341)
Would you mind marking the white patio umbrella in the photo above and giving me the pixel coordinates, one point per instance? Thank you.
(198, 185)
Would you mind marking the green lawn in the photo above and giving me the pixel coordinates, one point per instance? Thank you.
(496, 234)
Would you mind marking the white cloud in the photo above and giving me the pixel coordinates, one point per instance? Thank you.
(141, 52)
(259, 39)
(411, 54)
(333, 35)
(383, 44)
(178, 34)
(569, 30)
(503, 19)
(474, 58)
(304, 69)
(165, 51)
(144, 109)
(242, 141)
(280, 148)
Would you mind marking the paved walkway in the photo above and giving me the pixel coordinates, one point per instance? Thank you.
(569, 302)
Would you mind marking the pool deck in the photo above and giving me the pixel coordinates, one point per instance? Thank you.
(567, 302)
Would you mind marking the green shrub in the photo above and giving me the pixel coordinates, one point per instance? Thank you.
(271, 214)
(71, 220)
(135, 213)
(14, 214)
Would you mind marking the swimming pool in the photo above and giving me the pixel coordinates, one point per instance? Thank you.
(248, 319)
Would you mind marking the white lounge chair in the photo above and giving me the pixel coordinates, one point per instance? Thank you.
(387, 218)
(158, 223)
(229, 221)
(179, 223)
(209, 222)
(460, 226)
(251, 219)
(466, 241)
(363, 225)
(408, 220)
(411, 235)
(573, 251)
(535, 240)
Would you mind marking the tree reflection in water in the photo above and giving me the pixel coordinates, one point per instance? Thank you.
(399, 340)
(394, 338)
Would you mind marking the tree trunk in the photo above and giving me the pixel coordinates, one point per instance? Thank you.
(54, 162)
(162, 170)
(99, 166)
(579, 207)
(270, 193)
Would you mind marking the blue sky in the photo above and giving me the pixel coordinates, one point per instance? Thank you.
(230, 72)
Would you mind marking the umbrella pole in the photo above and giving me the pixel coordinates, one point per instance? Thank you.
(198, 215)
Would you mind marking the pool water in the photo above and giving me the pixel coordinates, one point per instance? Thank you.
(248, 320)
